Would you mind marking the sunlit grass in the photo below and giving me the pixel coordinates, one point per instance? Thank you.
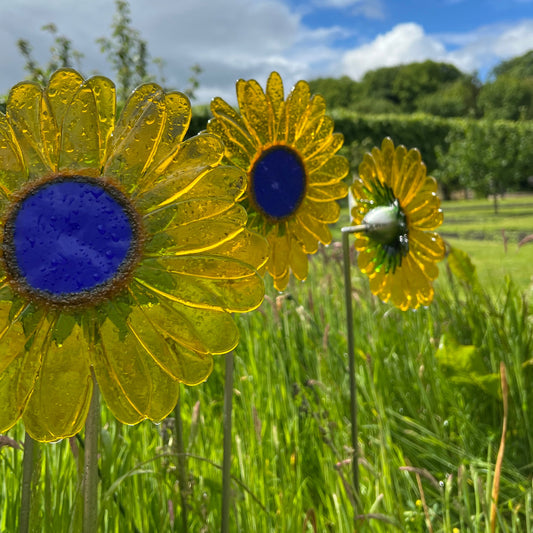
(291, 429)
(428, 433)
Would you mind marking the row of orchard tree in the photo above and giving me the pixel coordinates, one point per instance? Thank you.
(473, 136)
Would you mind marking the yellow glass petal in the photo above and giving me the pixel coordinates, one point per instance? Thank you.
(236, 153)
(184, 212)
(80, 134)
(198, 236)
(404, 289)
(255, 110)
(327, 193)
(428, 243)
(205, 331)
(427, 218)
(103, 91)
(317, 134)
(318, 229)
(308, 241)
(62, 393)
(18, 366)
(281, 281)
(247, 246)
(178, 111)
(332, 171)
(367, 173)
(327, 212)
(12, 336)
(24, 112)
(421, 201)
(380, 284)
(314, 122)
(206, 265)
(280, 246)
(224, 182)
(413, 175)
(231, 127)
(197, 289)
(275, 95)
(320, 152)
(193, 159)
(427, 266)
(299, 263)
(150, 325)
(295, 107)
(129, 370)
(385, 160)
(366, 258)
(61, 89)
(13, 173)
(136, 136)
(111, 388)
(430, 186)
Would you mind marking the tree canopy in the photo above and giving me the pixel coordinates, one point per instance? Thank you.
(435, 88)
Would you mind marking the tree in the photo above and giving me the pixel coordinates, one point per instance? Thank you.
(507, 98)
(338, 92)
(126, 51)
(62, 54)
(518, 67)
(404, 85)
(453, 99)
(486, 157)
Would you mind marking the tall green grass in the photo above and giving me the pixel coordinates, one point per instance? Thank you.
(429, 430)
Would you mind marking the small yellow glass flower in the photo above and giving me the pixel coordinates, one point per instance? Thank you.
(124, 251)
(397, 202)
(287, 148)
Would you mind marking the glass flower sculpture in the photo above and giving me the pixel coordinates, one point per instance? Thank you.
(124, 251)
(288, 150)
(397, 202)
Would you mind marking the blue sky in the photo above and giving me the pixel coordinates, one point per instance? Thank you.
(302, 39)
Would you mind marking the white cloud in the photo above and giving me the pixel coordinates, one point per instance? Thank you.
(229, 39)
(232, 39)
(478, 50)
(405, 43)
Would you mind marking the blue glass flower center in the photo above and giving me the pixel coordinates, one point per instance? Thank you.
(70, 236)
(278, 182)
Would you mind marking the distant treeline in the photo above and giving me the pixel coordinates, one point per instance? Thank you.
(437, 89)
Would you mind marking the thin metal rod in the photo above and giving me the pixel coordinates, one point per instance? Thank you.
(90, 470)
(29, 463)
(351, 353)
(226, 461)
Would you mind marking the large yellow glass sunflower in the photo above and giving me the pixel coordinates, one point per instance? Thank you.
(397, 202)
(124, 251)
(287, 148)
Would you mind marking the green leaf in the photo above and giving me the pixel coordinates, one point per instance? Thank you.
(461, 266)
(465, 366)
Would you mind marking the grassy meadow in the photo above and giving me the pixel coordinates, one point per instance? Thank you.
(430, 411)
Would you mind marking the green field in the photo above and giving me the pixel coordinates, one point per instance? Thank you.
(430, 413)
(492, 240)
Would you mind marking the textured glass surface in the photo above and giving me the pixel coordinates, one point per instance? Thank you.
(277, 182)
(70, 236)
(165, 317)
(401, 270)
(288, 149)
